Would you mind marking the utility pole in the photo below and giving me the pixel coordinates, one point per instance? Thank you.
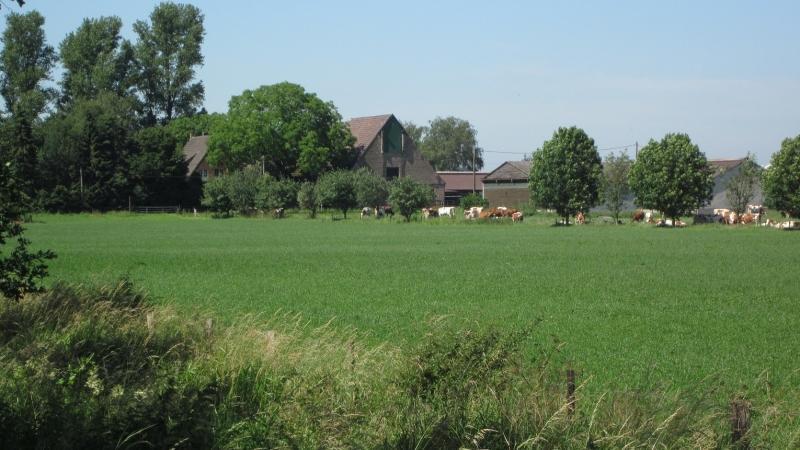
(637, 150)
(473, 166)
(80, 171)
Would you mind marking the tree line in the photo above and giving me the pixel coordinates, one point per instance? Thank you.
(670, 175)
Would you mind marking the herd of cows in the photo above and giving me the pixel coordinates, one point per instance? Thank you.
(755, 214)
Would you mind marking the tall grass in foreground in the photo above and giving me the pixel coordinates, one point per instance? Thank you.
(84, 367)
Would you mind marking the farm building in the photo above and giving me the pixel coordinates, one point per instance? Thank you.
(507, 185)
(724, 170)
(459, 184)
(194, 152)
(384, 146)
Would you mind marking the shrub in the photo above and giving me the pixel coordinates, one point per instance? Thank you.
(275, 194)
(337, 190)
(470, 200)
(216, 196)
(371, 189)
(307, 198)
(407, 196)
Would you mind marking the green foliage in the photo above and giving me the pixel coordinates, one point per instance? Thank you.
(157, 170)
(782, 178)
(277, 194)
(20, 269)
(671, 176)
(337, 190)
(407, 196)
(615, 182)
(566, 173)
(94, 137)
(168, 53)
(291, 131)
(216, 196)
(416, 132)
(25, 64)
(741, 188)
(448, 144)
(470, 200)
(96, 59)
(307, 198)
(371, 189)
(196, 125)
(244, 187)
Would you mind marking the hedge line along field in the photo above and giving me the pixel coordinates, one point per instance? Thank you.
(629, 305)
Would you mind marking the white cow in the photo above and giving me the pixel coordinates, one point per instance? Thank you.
(473, 213)
(366, 212)
(449, 211)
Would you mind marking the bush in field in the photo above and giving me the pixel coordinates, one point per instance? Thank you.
(371, 190)
(337, 190)
(244, 187)
(566, 173)
(782, 178)
(470, 200)
(671, 176)
(277, 194)
(307, 198)
(407, 196)
(216, 197)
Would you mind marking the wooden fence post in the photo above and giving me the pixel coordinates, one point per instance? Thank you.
(740, 422)
(150, 322)
(209, 327)
(571, 392)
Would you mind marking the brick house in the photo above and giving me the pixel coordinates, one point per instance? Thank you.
(384, 146)
(507, 185)
(194, 152)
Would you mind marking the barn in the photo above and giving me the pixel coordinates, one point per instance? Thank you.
(384, 146)
(724, 170)
(507, 185)
(457, 184)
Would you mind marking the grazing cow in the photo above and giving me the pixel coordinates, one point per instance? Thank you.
(366, 212)
(449, 211)
(384, 210)
(580, 218)
(278, 213)
(638, 216)
(747, 218)
(473, 212)
(430, 212)
(517, 216)
(756, 209)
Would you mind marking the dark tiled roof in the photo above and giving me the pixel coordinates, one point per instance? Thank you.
(510, 171)
(460, 181)
(194, 152)
(365, 129)
(719, 166)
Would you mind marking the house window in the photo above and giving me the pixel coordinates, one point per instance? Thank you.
(217, 172)
(204, 174)
(392, 173)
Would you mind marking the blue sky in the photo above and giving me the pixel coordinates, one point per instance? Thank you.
(725, 72)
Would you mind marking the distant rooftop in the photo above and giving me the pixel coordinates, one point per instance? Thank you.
(510, 171)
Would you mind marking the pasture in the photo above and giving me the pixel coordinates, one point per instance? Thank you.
(628, 305)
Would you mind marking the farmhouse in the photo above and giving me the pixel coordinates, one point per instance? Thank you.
(194, 152)
(458, 184)
(507, 185)
(384, 146)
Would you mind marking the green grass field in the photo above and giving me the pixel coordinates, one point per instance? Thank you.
(631, 304)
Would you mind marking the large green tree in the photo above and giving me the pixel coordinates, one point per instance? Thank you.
(25, 64)
(449, 142)
(615, 182)
(672, 176)
(289, 131)
(782, 178)
(371, 190)
(566, 173)
(92, 142)
(168, 52)
(96, 59)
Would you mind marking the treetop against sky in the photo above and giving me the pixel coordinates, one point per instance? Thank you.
(722, 72)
